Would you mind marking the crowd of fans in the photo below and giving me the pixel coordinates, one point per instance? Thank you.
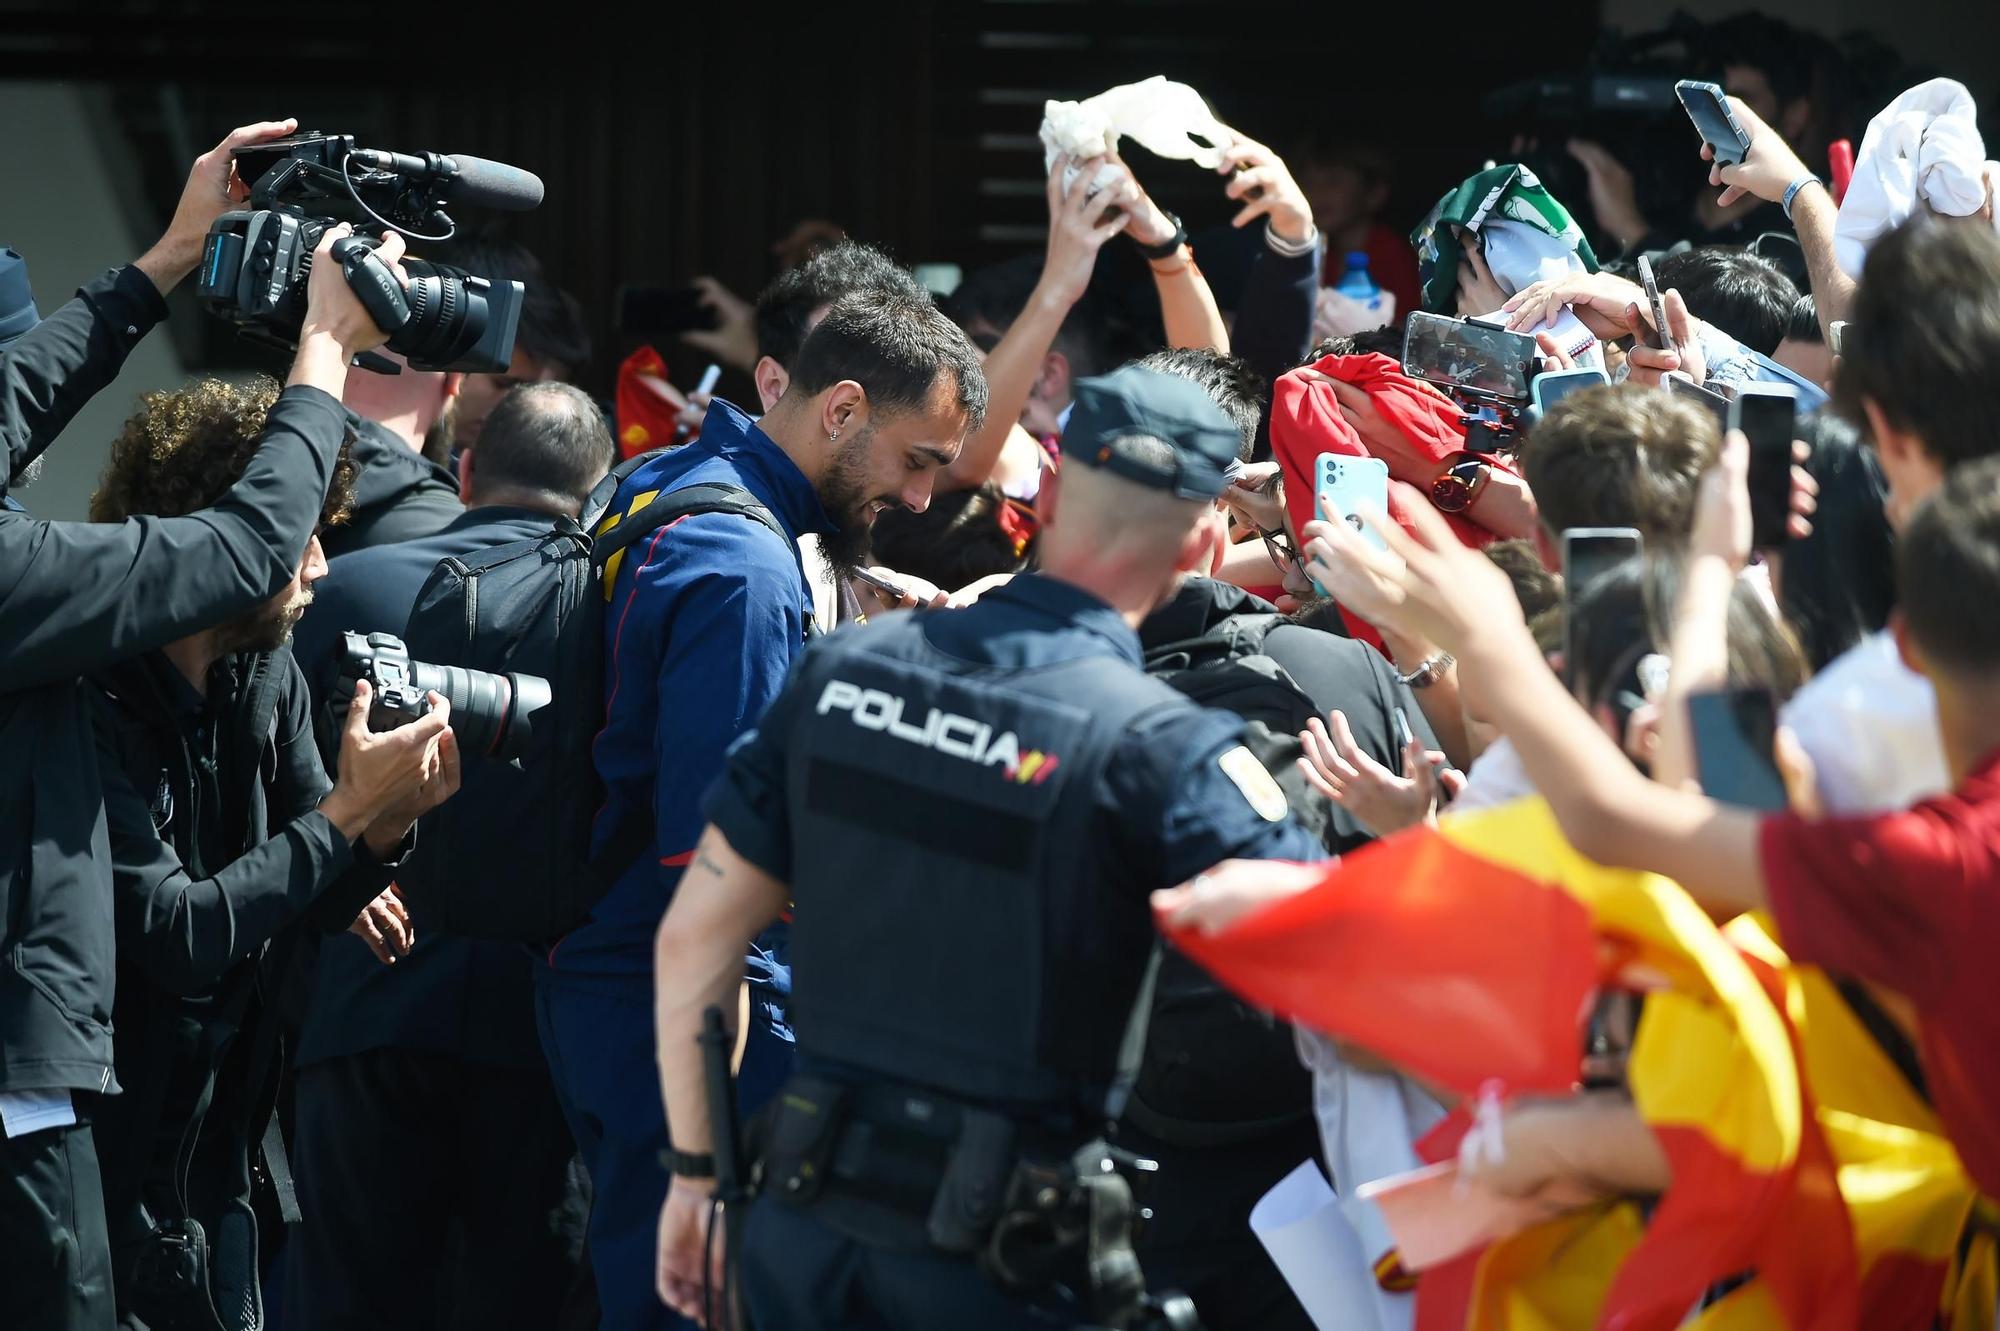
(1689, 1056)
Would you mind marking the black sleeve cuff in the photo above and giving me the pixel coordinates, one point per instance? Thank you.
(126, 303)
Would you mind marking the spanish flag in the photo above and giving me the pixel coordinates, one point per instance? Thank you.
(1467, 953)
(648, 411)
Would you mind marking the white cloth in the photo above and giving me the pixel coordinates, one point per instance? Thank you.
(1369, 1124)
(23, 1112)
(1924, 146)
(1869, 724)
(1496, 778)
(1159, 113)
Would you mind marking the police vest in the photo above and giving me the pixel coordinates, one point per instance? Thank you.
(953, 925)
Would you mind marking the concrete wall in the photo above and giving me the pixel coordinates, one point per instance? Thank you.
(62, 212)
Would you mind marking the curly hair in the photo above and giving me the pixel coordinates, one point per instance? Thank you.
(181, 451)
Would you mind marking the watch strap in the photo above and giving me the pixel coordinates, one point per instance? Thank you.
(1169, 247)
(682, 1164)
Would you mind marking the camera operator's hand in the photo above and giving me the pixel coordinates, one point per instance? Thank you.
(1767, 170)
(332, 308)
(1648, 364)
(386, 771)
(1613, 197)
(1079, 224)
(213, 188)
(386, 833)
(385, 926)
(1281, 202)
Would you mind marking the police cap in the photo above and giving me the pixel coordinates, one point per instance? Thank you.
(1137, 401)
(17, 302)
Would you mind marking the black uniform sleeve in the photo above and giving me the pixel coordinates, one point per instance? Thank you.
(1274, 319)
(58, 365)
(186, 932)
(1185, 794)
(75, 596)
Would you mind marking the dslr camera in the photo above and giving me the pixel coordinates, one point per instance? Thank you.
(256, 260)
(493, 715)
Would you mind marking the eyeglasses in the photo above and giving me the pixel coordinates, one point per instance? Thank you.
(1281, 549)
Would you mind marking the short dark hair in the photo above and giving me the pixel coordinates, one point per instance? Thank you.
(1805, 322)
(181, 451)
(552, 327)
(1537, 589)
(1782, 52)
(1384, 341)
(1948, 570)
(1620, 456)
(1923, 337)
(953, 543)
(1228, 380)
(1743, 294)
(896, 345)
(785, 307)
(548, 438)
(997, 293)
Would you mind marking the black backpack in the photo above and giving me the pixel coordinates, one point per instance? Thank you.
(509, 857)
(1218, 1072)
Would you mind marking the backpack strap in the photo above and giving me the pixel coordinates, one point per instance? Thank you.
(629, 839)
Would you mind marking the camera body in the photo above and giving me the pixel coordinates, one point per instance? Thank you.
(256, 261)
(493, 715)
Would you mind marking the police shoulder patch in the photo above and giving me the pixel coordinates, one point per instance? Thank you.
(1255, 783)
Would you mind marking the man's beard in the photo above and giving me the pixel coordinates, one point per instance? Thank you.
(843, 493)
(267, 628)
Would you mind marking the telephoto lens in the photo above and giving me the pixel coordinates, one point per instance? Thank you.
(493, 715)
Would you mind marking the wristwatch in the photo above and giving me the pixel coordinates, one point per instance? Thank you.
(1430, 672)
(1458, 485)
(1169, 247)
(682, 1165)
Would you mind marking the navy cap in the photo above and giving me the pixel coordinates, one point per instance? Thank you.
(1137, 401)
(17, 302)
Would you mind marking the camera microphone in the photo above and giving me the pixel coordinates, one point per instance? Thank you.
(474, 180)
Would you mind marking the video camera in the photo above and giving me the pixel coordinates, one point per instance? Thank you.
(493, 715)
(255, 262)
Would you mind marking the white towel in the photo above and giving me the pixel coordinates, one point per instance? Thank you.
(1160, 114)
(1924, 146)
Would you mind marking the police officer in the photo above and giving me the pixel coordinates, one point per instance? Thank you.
(990, 793)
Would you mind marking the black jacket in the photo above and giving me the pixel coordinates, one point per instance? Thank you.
(75, 597)
(399, 494)
(217, 846)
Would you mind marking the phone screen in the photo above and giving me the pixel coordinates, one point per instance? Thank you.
(1553, 387)
(1458, 353)
(1713, 120)
(1715, 402)
(1588, 554)
(1734, 733)
(651, 310)
(1768, 420)
(1657, 336)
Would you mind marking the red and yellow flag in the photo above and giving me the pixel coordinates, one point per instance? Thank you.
(648, 416)
(1467, 953)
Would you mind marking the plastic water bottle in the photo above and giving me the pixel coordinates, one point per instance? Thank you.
(1355, 304)
(1358, 285)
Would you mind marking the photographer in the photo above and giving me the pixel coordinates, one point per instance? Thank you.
(76, 597)
(224, 831)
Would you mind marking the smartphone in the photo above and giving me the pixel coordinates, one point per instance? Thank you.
(1735, 731)
(1768, 416)
(893, 590)
(650, 311)
(1836, 333)
(1342, 484)
(1405, 737)
(1552, 387)
(1657, 336)
(1588, 553)
(1483, 359)
(1717, 124)
(1682, 386)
